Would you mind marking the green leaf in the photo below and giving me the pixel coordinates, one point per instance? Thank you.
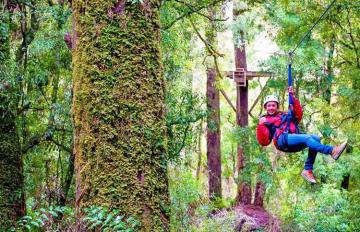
(45, 217)
(36, 224)
(53, 213)
(40, 222)
(108, 219)
(95, 224)
(26, 218)
(120, 226)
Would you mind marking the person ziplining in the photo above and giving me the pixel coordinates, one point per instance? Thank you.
(282, 127)
(286, 135)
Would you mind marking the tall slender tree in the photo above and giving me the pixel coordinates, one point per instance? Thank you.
(118, 110)
(12, 204)
(242, 118)
(213, 121)
(213, 135)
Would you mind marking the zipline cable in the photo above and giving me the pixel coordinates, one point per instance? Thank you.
(289, 116)
(313, 26)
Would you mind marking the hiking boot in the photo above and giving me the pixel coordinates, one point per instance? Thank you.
(308, 175)
(337, 150)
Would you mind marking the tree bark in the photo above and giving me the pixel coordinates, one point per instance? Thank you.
(199, 151)
(213, 136)
(242, 116)
(242, 119)
(213, 152)
(118, 110)
(259, 194)
(12, 198)
(4, 37)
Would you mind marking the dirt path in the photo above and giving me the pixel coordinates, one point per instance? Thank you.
(256, 218)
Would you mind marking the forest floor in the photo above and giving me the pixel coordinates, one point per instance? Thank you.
(249, 218)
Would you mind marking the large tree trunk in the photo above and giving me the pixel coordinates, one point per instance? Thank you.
(213, 120)
(118, 110)
(242, 119)
(260, 190)
(242, 116)
(12, 200)
(213, 136)
(259, 193)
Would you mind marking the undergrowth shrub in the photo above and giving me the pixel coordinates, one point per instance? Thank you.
(63, 219)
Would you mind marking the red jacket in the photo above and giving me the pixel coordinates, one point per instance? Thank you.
(262, 131)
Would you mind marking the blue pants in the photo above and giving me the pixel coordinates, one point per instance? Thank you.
(301, 141)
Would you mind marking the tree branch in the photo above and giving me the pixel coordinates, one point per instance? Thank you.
(228, 100)
(182, 121)
(37, 139)
(183, 140)
(28, 4)
(209, 47)
(191, 7)
(60, 145)
(347, 118)
(214, 54)
(33, 141)
(211, 19)
(193, 10)
(352, 38)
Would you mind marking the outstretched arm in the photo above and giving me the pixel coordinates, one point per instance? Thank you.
(297, 109)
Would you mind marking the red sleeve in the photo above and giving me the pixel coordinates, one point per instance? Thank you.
(297, 109)
(263, 135)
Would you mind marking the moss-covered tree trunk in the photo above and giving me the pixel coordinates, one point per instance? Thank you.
(4, 37)
(118, 110)
(12, 203)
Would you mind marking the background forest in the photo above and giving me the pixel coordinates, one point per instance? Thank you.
(73, 131)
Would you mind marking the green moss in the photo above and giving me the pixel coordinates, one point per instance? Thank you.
(4, 37)
(118, 110)
(11, 177)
